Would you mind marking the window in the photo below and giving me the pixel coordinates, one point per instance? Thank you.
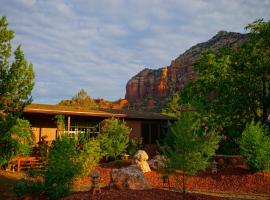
(84, 128)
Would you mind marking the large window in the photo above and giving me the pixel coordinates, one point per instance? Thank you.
(151, 133)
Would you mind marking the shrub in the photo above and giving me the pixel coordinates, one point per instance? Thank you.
(23, 187)
(255, 146)
(89, 156)
(17, 141)
(62, 167)
(114, 138)
(189, 146)
(134, 145)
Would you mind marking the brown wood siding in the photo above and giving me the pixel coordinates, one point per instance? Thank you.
(42, 125)
(136, 128)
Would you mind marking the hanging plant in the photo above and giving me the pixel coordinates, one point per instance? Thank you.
(60, 121)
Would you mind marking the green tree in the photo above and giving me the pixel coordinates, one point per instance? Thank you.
(173, 106)
(16, 78)
(114, 138)
(255, 146)
(189, 146)
(255, 57)
(233, 85)
(80, 99)
(16, 84)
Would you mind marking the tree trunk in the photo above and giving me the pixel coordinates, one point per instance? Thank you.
(264, 101)
(184, 183)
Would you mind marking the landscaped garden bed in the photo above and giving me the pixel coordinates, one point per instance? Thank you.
(235, 180)
(151, 194)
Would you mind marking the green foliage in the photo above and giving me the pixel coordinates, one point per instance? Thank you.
(255, 146)
(16, 84)
(21, 135)
(134, 145)
(60, 120)
(173, 106)
(189, 145)
(233, 85)
(17, 141)
(89, 156)
(114, 138)
(23, 187)
(80, 99)
(16, 78)
(62, 167)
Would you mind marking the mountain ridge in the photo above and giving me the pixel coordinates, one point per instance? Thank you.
(150, 88)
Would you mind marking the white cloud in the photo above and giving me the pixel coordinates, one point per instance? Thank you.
(98, 45)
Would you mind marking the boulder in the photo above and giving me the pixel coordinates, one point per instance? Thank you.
(140, 159)
(158, 162)
(129, 178)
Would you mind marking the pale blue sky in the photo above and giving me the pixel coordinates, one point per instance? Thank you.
(99, 45)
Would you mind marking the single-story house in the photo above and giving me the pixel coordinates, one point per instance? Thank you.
(148, 125)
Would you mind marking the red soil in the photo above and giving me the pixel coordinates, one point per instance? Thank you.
(234, 180)
(137, 195)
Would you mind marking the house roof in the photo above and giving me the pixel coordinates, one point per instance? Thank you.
(79, 111)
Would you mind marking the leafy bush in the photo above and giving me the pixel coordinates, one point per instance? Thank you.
(114, 138)
(63, 166)
(134, 145)
(17, 141)
(23, 187)
(189, 146)
(89, 156)
(255, 146)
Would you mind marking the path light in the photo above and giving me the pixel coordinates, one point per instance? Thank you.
(95, 182)
(214, 167)
(166, 179)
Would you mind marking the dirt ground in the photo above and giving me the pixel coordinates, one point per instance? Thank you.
(7, 180)
(234, 180)
(152, 194)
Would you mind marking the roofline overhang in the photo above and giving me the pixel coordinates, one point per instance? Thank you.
(68, 112)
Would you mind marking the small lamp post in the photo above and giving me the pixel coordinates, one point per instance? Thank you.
(214, 167)
(95, 182)
(166, 179)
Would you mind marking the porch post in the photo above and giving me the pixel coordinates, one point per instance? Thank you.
(68, 124)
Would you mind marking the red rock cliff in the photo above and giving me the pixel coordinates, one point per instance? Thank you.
(150, 88)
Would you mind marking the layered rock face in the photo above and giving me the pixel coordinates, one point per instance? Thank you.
(104, 104)
(150, 88)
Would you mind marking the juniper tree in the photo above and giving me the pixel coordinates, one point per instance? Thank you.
(189, 146)
(16, 84)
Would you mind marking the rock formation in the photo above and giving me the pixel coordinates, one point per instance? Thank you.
(129, 178)
(104, 104)
(150, 88)
(158, 162)
(140, 159)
